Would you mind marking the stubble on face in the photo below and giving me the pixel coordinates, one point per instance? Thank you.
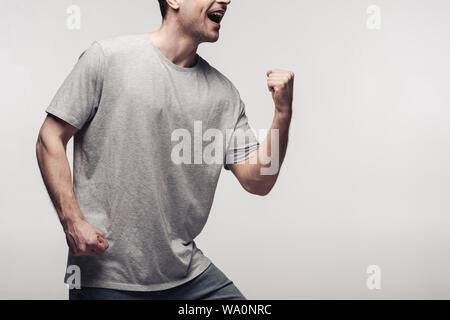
(195, 23)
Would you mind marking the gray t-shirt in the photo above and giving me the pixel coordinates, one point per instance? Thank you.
(127, 99)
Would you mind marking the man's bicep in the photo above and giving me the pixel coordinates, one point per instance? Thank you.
(243, 142)
(239, 169)
(242, 155)
(64, 118)
(56, 127)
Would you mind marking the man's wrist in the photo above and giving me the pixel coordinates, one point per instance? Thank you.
(69, 222)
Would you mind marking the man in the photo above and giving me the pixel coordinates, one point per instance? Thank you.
(132, 213)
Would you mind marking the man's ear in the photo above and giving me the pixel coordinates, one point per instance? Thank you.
(174, 4)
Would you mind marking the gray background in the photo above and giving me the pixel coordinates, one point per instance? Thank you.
(366, 179)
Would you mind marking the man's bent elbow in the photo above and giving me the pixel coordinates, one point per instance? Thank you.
(259, 189)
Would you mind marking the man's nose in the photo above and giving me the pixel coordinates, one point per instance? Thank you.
(227, 2)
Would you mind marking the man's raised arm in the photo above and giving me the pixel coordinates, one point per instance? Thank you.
(258, 174)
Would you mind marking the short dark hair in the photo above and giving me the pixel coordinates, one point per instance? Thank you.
(163, 7)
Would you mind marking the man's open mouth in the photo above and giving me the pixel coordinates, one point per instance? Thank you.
(216, 16)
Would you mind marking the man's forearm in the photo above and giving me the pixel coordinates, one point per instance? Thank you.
(259, 173)
(265, 172)
(82, 238)
(281, 122)
(55, 170)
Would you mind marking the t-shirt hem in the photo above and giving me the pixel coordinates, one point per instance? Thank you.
(146, 288)
(67, 118)
(250, 154)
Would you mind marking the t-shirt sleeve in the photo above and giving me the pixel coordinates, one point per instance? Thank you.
(77, 100)
(243, 143)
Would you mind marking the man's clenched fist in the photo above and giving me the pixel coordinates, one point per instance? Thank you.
(85, 240)
(281, 84)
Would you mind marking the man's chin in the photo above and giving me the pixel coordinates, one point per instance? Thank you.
(212, 38)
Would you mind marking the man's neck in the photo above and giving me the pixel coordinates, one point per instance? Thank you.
(175, 45)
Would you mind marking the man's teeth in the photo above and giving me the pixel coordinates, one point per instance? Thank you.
(215, 16)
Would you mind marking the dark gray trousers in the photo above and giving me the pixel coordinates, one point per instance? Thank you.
(211, 284)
